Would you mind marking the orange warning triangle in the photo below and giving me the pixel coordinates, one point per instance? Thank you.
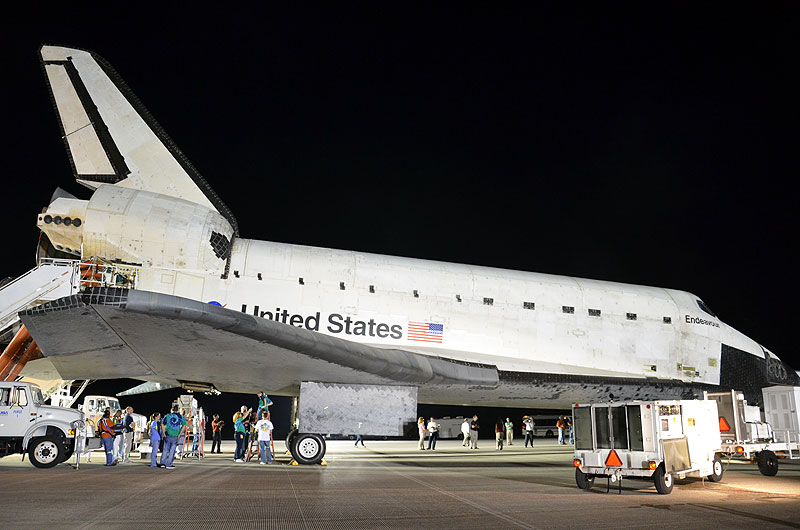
(723, 425)
(613, 460)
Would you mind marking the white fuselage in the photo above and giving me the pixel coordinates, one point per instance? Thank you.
(518, 321)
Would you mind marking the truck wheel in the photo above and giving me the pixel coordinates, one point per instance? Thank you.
(716, 470)
(663, 480)
(45, 451)
(308, 448)
(68, 450)
(548, 434)
(583, 480)
(767, 463)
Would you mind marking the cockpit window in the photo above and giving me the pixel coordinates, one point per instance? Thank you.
(705, 308)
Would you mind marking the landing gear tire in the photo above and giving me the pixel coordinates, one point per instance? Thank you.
(716, 470)
(308, 448)
(45, 451)
(767, 463)
(289, 438)
(583, 480)
(663, 480)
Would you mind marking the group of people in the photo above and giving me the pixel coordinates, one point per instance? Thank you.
(429, 431)
(116, 434)
(503, 429)
(244, 428)
(564, 426)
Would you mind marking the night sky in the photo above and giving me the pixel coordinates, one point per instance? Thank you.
(655, 148)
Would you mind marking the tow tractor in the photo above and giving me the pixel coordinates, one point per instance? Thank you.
(746, 436)
(655, 440)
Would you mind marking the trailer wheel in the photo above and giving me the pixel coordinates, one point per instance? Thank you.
(45, 451)
(583, 480)
(716, 470)
(767, 463)
(663, 480)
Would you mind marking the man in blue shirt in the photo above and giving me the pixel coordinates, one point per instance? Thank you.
(174, 427)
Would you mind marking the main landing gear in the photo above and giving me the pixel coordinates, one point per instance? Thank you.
(306, 448)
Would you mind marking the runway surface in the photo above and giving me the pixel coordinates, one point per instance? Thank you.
(388, 484)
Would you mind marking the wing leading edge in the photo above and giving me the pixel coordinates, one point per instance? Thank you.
(112, 333)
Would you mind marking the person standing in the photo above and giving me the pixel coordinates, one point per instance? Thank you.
(264, 428)
(561, 425)
(571, 431)
(106, 428)
(239, 434)
(509, 431)
(127, 435)
(528, 423)
(216, 433)
(155, 438)
(499, 431)
(118, 440)
(473, 432)
(263, 404)
(422, 433)
(174, 427)
(465, 432)
(433, 434)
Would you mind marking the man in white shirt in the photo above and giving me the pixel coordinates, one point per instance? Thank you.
(433, 434)
(264, 429)
(465, 432)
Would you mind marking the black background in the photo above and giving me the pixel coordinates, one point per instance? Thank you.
(649, 147)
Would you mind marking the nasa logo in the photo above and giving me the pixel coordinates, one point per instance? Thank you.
(214, 302)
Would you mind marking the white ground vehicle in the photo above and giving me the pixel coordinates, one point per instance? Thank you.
(449, 427)
(93, 407)
(544, 425)
(745, 435)
(647, 439)
(48, 434)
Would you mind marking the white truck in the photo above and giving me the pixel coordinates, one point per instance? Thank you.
(655, 440)
(93, 407)
(48, 434)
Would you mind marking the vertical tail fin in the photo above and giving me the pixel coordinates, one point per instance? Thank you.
(111, 138)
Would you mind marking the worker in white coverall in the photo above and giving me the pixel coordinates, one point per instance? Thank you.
(465, 432)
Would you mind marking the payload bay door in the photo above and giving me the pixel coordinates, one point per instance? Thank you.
(330, 408)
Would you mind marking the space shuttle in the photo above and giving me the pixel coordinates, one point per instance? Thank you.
(150, 279)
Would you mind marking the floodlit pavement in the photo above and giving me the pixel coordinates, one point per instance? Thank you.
(388, 484)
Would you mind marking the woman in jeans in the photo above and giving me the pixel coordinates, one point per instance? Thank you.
(422, 433)
(238, 435)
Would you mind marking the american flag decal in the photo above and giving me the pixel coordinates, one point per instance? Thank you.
(425, 332)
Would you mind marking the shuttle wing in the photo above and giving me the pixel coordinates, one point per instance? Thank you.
(111, 333)
(110, 136)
